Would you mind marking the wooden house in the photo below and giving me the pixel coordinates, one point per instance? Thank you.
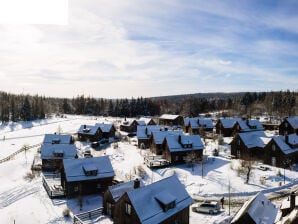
(144, 133)
(106, 130)
(157, 138)
(249, 145)
(86, 175)
(198, 125)
(289, 126)
(282, 151)
(257, 210)
(146, 121)
(115, 192)
(164, 202)
(229, 127)
(89, 133)
(57, 139)
(129, 126)
(171, 120)
(52, 155)
(178, 147)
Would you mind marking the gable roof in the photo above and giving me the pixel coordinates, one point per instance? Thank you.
(128, 123)
(169, 116)
(196, 122)
(62, 139)
(144, 120)
(284, 147)
(47, 151)
(293, 121)
(175, 146)
(142, 133)
(104, 127)
(260, 209)
(120, 189)
(159, 136)
(88, 129)
(151, 212)
(254, 139)
(246, 125)
(74, 168)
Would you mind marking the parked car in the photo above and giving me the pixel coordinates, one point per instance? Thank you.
(263, 167)
(212, 207)
(87, 153)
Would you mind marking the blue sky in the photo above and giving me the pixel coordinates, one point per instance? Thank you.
(115, 49)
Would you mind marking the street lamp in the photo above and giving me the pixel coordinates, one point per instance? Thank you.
(286, 163)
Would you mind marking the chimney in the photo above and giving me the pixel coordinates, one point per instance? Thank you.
(84, 126)
(136, 183)
(179, 139)
(292, 201)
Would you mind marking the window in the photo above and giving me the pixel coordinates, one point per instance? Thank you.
(238, 153)
(98, 186)
(76, 189)
(238, 142)
(176, 158)
(273, 147)
(273, 161)
(109, 208)
(128, 208)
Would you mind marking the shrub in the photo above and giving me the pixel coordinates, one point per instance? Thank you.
(66, 212)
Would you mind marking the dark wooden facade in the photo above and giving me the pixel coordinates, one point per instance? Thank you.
(121, 216)
(88, 135)
(179, 157)
(85, 187)
(287, 127)
(155, 148)
(225, 132)
(275, 156)
(171, 120)
(241, 151)
(109, 134)
(129, 127)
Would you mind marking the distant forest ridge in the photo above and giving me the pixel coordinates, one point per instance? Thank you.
(15, 107)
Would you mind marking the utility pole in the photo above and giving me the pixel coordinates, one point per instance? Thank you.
(229, 196)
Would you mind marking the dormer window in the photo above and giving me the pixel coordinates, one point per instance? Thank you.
(55, 141)
(166, 200)
(90, 170)
(86, 130)
(58, 152)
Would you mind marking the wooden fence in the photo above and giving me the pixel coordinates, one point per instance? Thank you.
(89, 216)
(17, 152)
(53, 190)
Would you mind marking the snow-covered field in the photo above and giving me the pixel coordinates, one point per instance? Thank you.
(24, 200)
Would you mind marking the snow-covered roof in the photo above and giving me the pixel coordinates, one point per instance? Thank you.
(142, 133)
(260, 209)
(48, 151)
(88, 129)
(196, 122)
(147, 206)
(144, 120)
(120, 189)
(228, 122)
(247, 125)
(104, 127)
(57, 139)
(192, 142)
(285, 147)
(286, 203)
(159, 136)
(293, 121)
(128, 122)
(254, 139)
(169, 116)
(74, 168)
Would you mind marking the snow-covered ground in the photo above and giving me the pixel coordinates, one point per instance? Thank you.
(24, 200)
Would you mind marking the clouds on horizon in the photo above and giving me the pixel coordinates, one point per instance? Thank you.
(149, 48)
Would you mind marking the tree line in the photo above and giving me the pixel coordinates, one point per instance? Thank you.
(22, 107)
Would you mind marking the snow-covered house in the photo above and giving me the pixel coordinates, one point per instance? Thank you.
(114, 193)
(57, 139)
(157, 138)
(197, 125)
(178, 147)
(144, 133)
(143, 121)
(257, 210)
(52, 155)
(106, 130)
(171, 120)
(129, 126)
(89, 133)
(165, 201)
(289, 126)
(281, 151)
(86, 175)
(249, 145)
(231, 126)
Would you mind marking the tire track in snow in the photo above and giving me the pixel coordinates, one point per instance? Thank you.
(17, 193)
